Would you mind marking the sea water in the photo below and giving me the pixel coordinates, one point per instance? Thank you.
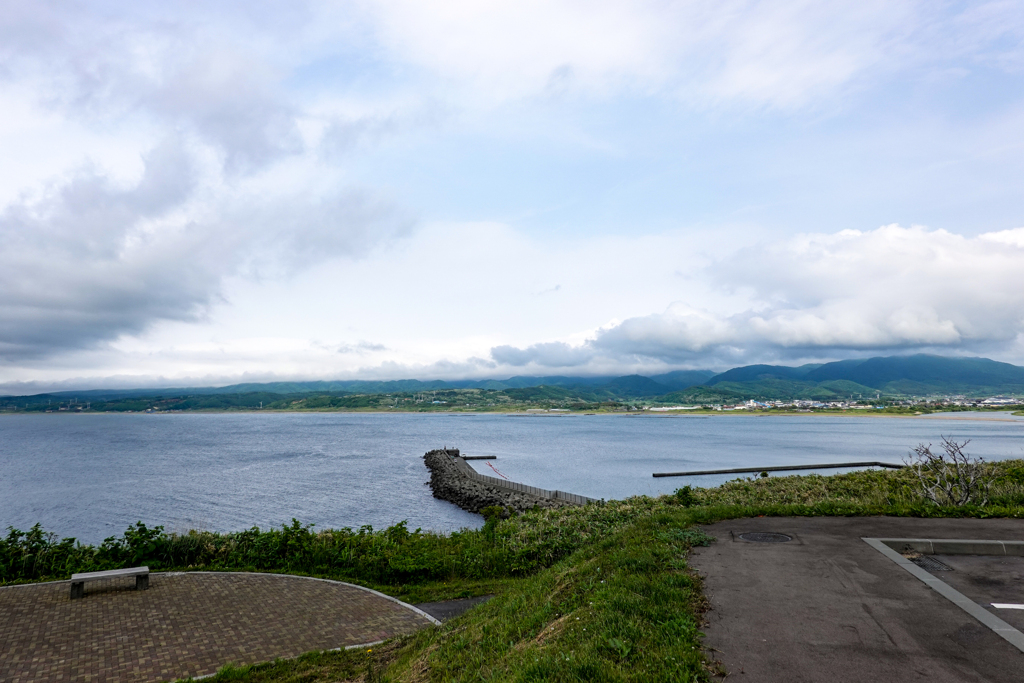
(90, 476)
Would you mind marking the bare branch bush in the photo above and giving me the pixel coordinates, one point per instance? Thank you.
(951, 477)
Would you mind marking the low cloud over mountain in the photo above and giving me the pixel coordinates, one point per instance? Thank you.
(825, 296)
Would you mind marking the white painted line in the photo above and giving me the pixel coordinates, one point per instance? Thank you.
(360, 646)
(1006, 605)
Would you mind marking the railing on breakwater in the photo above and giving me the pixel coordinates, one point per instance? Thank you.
(465, 469)
(783, 468)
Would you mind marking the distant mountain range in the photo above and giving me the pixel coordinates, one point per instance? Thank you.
(633, 386)
(889, 376)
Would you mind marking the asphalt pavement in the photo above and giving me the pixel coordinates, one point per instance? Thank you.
(449, 609)
(826, 606)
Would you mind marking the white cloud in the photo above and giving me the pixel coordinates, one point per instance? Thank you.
(547, 354)
(747, 51)
(172, 169)
(462, 301)
(516, 48)
(89, 261)
(423, 304)
(210, 176)
(892, 289)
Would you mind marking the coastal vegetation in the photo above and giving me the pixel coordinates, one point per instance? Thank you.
(447, 400)
(413, 565)
(598, 592)
(542, 398)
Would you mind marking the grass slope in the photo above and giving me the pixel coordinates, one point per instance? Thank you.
(623, 606)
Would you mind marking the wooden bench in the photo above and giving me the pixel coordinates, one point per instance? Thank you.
(78, 581)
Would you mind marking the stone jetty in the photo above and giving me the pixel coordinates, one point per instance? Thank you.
(453, 480)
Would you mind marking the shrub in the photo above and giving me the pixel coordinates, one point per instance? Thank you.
(952, 477)
(685, 497)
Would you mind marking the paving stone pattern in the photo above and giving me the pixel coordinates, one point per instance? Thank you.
(187, 624)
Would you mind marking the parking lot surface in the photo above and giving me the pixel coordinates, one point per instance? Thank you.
(988, 580)
(826, 606)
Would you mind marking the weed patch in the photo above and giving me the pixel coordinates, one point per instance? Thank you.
(621, 610)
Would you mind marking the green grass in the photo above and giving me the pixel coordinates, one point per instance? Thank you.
(887, 491)
(623, 608)
(364, 665)
(408, 564)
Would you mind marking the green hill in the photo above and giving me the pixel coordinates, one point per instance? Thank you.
(926, 373)
(681, 379)
(702, 394)
(634, 386)
(918, 375)
(755, 373)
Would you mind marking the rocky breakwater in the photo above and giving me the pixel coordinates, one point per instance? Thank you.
(453, 480)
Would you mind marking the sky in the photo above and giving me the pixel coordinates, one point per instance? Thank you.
(209, 193)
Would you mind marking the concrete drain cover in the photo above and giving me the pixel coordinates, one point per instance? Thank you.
(765, 537)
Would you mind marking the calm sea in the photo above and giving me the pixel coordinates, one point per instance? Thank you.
(90, 476)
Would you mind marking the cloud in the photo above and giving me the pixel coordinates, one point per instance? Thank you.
(361, 348)
(226, 69)
(747, 51)
(287, 234)
(231, 103)
(158, 151)
(89, 261)
(226, 185)
(681, 333)
(78, 265)
(886, 288)
(889, 290)
(154, 65)
(550, 354)
(347, 128)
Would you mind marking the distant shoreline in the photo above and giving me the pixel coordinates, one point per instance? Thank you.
(631, 414)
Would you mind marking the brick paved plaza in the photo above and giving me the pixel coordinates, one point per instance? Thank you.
(186, 624)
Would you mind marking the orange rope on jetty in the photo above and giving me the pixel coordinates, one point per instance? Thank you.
(496, 471)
